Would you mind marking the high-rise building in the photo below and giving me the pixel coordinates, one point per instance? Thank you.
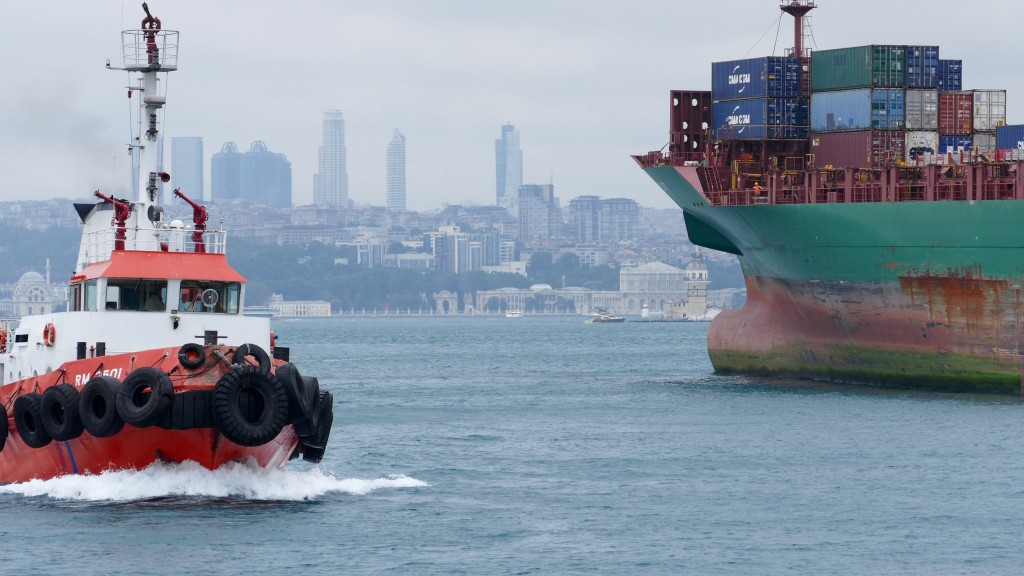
(265, 177)
(225, 179)
(539, 213)
(258, 176)
(186, 167)
(585, 219)
(508, 159)
(620, 220)
(330, 184)
(396, 172)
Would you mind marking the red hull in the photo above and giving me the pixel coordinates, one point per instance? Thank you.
(132, 447)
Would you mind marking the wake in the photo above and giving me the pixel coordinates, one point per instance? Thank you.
(189, 480)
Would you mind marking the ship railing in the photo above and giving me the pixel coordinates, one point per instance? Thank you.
(145, 50)
(98, 245)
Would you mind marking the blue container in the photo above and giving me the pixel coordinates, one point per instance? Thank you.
(951, 74)
(760, 119)
(859, 109)
(1010, 137)
(954, 144)
(774, 76)
(922, 66)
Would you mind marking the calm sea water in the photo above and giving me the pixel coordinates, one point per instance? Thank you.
(550, 446)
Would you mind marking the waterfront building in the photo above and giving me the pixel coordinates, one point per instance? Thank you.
(299, 308)
(186, 168)
(32, 294)
(396, 172)
(330, 183)
(508, 159)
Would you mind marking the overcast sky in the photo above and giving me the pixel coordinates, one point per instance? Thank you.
(585, 82)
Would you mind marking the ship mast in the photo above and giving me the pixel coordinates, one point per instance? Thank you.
(798, 9)
(150, 50)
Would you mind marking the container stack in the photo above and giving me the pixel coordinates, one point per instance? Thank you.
(858, 103)
(758, 99)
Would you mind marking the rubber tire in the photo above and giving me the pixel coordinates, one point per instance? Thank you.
(59, 410)
(302, 395)
(191, 355)
(3, 427)
(138, 408)
(97, 406)
(253, 350)
(29, 421)
(250, 406)
(313, 450)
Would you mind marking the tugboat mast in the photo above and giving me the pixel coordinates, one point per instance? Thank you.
(149, 50)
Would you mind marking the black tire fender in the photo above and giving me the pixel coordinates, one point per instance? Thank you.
(302, 395)
(144, 397)
(257, 353)
(3, 427)
(314, 448)
(29, 421)
(97, 406)
(250, 406)
(191, 355)
(58, 408)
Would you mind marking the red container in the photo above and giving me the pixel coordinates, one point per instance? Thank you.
(861, 149)
(956, 112)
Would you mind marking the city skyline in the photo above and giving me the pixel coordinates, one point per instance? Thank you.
(589, 88)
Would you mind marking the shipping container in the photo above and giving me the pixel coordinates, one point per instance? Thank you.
(922, 66)
(859, 67)
(864, 149)
(956, 112)
(989, 109)
(1010, 137)
(951, 75)
(984, 142)
(954, 144)
(760, 119)
(859, 109)
(922, 146)
(775, 77)
(922, 110)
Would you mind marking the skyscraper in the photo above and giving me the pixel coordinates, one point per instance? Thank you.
(265, 177)
(539, 213)
(225, 179)
(186, 167)
(396, 172)
(585, 219)
(508, 159)
(330, 184)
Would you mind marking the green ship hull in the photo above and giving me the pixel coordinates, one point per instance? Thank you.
(923, 294)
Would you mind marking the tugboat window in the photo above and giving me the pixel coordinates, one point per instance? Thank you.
(209, 296)
(90, 295)
(138, 295)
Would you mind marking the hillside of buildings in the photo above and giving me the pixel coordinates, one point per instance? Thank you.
(371, 259)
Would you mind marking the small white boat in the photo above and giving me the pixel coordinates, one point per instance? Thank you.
(604, 317)
(514, 314)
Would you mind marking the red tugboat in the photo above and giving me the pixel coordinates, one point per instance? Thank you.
(153, 359)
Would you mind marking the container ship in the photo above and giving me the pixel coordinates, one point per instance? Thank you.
(875, 207)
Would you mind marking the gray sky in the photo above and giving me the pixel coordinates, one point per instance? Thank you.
(585, 82)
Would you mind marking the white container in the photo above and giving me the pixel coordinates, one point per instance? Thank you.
(922, 147)
(989, 109)
(922, 110)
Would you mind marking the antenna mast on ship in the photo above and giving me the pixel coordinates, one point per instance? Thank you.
(798, 9)
(149, 51)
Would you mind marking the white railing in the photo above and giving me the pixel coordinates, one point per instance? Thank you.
(150, 49)
(100, 244)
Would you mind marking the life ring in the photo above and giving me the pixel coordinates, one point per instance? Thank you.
(250, 406)
(191, 355)
(144, 397)
(314, 448)
(257, 354)
(302, 395)
(3, 340)
(58, 408)
(49, 334)
(3, 427)
(97, 406)
(29, 421)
